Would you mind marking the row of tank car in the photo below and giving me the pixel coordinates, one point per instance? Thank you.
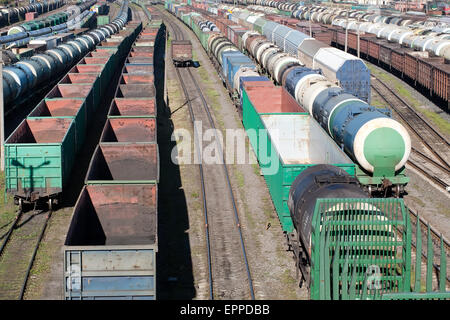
(312, 182)
(418, 33)
(12, 15)
(74, 17)
(114, 224)
(416, 50)
(352, 131)
(350, 71)
(350, 121)
(22, 77)
(40, 152)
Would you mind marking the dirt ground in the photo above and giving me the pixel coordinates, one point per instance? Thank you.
(272, 267)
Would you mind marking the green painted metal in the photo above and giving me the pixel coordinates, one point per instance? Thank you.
(416, 296)
(258, 25)
(389, 140)
(80, 120)
(102, 20)
(443, 268)
(365, 179)
(365, 230)
(429, 260)
(370, 247)
(417, 284)
(42, 167)
(268, 157)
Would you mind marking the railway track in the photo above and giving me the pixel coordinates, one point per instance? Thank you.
(228, 267)
(436, 238)
(435, 170)
(428, 167)
(431, 139)
(20, 244)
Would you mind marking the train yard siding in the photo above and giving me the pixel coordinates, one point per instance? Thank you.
(424, 68)
(45, 274)
(215, 46)
(262, 232)
(131, 224)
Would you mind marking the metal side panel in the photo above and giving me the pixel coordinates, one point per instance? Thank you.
(108, 272)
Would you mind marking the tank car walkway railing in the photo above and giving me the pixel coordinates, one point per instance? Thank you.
(362, 249)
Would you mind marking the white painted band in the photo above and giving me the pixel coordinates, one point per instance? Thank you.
(337, 106)
(367, 128)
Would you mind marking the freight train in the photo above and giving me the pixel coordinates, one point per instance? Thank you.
(417, 51)
(56, 23)
(421, 35)
(346, 245)
(13, 15)
(40, 153)
(377, 143)
(350, 71)
(115, 220)
(26, 74)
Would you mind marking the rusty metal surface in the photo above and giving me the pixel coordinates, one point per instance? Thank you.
(129, 130)
(145, 54)
(181, 50)
(114, 215)
(57, 108)
(45, 130)
(130, 78)
(94, 60)
(267, 98)
(127, 162)
(80, 78)
(135, 91)
(70, 91)
(87, 68)
(129, 68)
(140, 60)
(132, 107)
(141, 48)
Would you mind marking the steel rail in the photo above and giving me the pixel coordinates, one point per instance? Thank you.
(7, 235)
(178, 32)
(413, 120)
(33, 257)
(178, 35)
